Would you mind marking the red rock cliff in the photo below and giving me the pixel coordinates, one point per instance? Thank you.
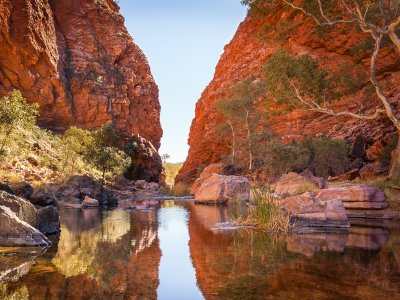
(78, 61)
(248, 52)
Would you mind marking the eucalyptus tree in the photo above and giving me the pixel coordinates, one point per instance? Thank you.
(380, 19)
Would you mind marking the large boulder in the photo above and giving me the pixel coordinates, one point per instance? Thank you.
(23, 189)
(356, 197)
(48, 220)
(22, 208)
(16, 233)
(295, 184)
(217, 168)
(218, 189)
(306, 210)
(43, 197)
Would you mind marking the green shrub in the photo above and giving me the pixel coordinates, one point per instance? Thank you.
(328, 157)
(15, 112)
(102, 153)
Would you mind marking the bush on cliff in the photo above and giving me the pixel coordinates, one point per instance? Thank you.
(15, 113)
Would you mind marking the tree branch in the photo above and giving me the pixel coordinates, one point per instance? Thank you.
(315, 107)
(379, 91)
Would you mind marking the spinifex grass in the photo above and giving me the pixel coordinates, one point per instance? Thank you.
(265, 213)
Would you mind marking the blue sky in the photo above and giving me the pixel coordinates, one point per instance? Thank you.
(183, 41)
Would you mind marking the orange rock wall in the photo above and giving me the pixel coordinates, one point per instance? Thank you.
(245, 56)
(78, 61)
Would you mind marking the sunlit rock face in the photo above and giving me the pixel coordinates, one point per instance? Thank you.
(78, 61)
(360, 264)
(245, 56)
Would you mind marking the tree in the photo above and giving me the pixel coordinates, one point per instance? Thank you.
(240, 108)
(14, 112)
(103, 154)
(380, 19)
(165, 157)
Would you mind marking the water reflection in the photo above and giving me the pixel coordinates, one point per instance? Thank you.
(177, 276)
(175, 253)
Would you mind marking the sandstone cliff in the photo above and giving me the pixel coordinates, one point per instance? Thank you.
(77, 60)
(255, 40)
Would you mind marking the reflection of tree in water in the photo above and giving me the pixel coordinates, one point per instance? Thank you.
(100, 255)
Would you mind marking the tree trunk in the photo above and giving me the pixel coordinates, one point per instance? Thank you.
(233, 142)
(249, 141)
(395, 163)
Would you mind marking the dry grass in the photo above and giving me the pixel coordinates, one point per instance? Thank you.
(180, 189)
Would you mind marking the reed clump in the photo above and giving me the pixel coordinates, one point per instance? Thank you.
(265, 213)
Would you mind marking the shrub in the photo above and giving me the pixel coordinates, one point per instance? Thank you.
(277, 158)
(102, 153)
(328, 157)
(15, 112)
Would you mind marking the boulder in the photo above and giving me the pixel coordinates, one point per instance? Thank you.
(43, 197)
(153, 186)
(81, 186)
(23, 189)
(218, 168)
(306, 210)
(90, 203)
(373, 170)
(219, 189)
(356, 197)
(16, 233)
(294, 184)
(23, 209)
(48, 220)
(142, 184)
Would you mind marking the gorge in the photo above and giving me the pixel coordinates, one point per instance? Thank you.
(277, 199)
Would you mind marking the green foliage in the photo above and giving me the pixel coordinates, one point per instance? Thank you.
(241, 112)
(284, 73)
(328, 157)
(15, 112)
(103, 154)
(277, 158)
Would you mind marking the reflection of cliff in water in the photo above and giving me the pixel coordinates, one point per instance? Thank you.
(362, 264)
(100, 255)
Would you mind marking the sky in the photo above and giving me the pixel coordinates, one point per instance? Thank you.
(183, 41)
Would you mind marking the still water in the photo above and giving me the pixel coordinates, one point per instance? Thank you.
(176, 251)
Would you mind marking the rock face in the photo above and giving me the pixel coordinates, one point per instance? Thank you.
(77, 60)
(15, 232)
(309, 211)
(245, 56)
(221, 189)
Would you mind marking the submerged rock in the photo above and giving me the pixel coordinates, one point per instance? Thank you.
(221, 189)
(14, 232)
